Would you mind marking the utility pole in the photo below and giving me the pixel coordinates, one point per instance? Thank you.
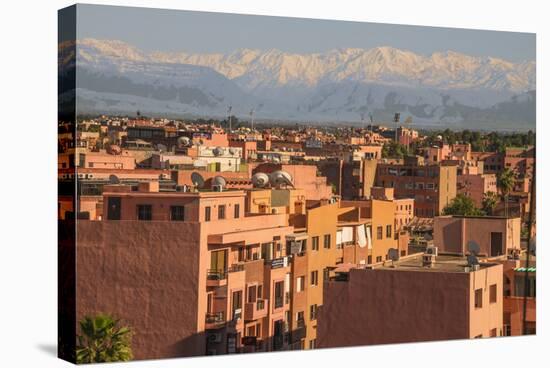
(252, 119)
(229, 114)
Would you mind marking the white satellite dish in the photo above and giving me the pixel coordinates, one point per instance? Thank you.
(260, 180)
(218, 151)
(183, 142)
(218, 183)
(280, 177)
(162, 147)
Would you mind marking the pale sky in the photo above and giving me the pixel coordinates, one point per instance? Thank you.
(202, 32)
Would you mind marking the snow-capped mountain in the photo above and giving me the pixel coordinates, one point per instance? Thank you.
(334, 86)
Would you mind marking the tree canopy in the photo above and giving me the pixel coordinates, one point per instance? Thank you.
(462, 205)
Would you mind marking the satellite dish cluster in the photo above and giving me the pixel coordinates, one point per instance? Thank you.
(276, 179)
(184, 142)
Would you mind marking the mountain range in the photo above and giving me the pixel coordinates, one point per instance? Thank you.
(445, 89)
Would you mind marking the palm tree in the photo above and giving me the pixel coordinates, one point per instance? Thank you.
(489, 202)
(506, 181)
(102, 340)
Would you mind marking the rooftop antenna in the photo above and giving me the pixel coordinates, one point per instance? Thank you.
(371, 121)
(197, 179)
(229, 114)
(252, 119)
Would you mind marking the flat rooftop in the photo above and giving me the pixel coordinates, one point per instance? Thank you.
(443, 263)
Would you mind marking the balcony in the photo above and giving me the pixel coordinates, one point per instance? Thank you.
(214, 320)
(255, 310)
(215, 278)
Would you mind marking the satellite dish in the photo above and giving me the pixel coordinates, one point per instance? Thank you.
(232, 151)
(183, 142)
(162, 147)
(473, 248)
(260, 180)
(393, 254)
(218, 183)
(218, 151)
(197, 180)
(280, 177)
(113, 179)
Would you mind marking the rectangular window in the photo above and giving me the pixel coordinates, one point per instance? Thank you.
(478, 299)
(312, 344)
(300, 281)
(177, 213)
(326, 274)
(113, 212)
(207, 213)
(314, 278)
(313, 312)
(388, 231)
(237, 304)
(300, 318)
(379, 232)
(493, 293)
(144, 212)
(326, 243)
(315, 243)
(260, 291)
(237, 211)
(252, 294)
(279, 286)
(221, 211)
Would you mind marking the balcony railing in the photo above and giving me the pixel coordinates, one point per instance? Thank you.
(236, 268)
(278, 302)
(215, 318)
(216, 274)
(287, 297)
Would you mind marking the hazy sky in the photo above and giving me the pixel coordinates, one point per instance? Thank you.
(176, 30)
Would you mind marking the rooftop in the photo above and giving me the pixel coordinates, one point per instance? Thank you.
(443, 263)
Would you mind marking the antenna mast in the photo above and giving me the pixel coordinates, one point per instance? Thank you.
(229, 114)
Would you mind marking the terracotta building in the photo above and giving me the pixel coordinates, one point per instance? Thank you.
(411, 301)
(432, 186)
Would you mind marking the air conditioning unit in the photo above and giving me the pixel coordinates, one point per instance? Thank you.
(215, 338)
(217, 188)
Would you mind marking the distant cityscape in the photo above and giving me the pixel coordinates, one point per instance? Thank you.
(217, 237)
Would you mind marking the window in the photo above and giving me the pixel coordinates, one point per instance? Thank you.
(221, 211)
(313, 312)
(237, 304)
(300, 318)
(177, 213)
(314, 278)
(369, 259)
(144, 212)
(300, 281)
(326, 274)
(252, 294)
(388, 231)
(236, 211)
(315, 243)
(378, 259)
(279, 294)
(207, 213)
(326, 243)
(260, 291)
(493, 293)
(379, 232)
(478, 299)
(312, 344)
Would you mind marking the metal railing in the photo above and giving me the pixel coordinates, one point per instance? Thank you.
(215, 317)
(215, 274)
(278, 302)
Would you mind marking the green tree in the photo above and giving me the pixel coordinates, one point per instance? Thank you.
(462, 205)
(490, 200)
(506, 181)
(394, 150)
(102, 340)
